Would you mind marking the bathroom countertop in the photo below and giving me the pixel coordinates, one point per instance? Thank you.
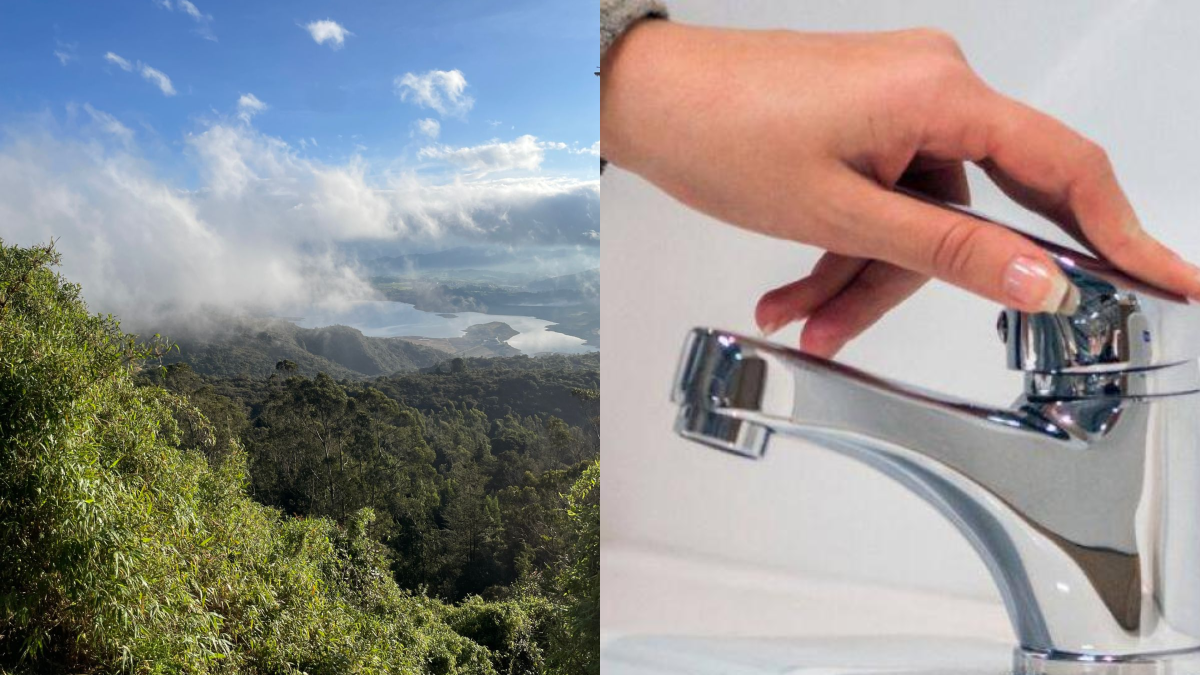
(664, 613)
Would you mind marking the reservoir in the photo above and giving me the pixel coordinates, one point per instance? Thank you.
(383, 318)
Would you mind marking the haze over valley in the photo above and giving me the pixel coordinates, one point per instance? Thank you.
(229, 222)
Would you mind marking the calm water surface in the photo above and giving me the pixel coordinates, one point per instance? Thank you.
(382, 318)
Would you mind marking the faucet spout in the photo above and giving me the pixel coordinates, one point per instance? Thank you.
(1085, 509)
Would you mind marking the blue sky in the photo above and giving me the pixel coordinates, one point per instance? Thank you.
(528, 65)
(189, 151)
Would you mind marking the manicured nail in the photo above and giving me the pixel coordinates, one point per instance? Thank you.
(1029, 282)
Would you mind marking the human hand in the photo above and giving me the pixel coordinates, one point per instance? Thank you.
(802, 136)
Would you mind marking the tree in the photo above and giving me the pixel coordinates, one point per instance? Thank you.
(123, 549)
(470, 540)
(578, 582)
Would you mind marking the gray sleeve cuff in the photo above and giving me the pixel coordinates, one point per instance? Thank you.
(616, 16)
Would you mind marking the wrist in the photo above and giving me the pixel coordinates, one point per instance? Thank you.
(631, 76)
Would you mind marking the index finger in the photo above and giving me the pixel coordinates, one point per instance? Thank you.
(1053, 170)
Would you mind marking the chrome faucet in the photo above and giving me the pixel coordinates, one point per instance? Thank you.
(1083, 498)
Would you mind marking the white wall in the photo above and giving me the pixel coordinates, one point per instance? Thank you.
(1122, 72)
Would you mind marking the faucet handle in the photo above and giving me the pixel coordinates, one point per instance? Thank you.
(1121, 324)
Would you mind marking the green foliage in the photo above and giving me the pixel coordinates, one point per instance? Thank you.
(238, 345)
(124, 550)
(154, 520)
(518, 385)
(514, 631)
(578, 580)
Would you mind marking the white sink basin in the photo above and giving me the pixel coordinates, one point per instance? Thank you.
(670, 614)
(671, 655)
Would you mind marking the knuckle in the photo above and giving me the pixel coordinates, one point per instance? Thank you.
(952, 254)
(928, 75)
(937, 40)
(943, 71)
(1094, 157)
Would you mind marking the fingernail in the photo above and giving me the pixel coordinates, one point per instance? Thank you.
(1029, 282)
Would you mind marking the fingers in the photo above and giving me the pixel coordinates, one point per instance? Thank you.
(980, 257)
(1051, 169)
(795, 301)
(874, 292)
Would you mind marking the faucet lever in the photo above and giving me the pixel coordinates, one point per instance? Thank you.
(1121, 323)
(1082, 498)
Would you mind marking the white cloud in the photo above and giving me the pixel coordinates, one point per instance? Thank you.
(153, 75)
(440, 90)
(121, 63)
(593, 150)
(190, 9)
(248, 106)
(203, 21)
(66, 52)
(524, 152)
(428, 127)
(158, 78)
(109, 124)
(329, 31)
(262, 228)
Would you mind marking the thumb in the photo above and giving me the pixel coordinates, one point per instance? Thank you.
(973, 254)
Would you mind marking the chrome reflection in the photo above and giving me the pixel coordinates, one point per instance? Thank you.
(1083, 497)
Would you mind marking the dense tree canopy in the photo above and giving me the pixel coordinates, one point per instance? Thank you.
(153, 520)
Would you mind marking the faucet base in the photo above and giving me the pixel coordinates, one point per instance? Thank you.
(1043, 663)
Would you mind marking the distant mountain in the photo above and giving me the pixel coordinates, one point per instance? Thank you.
(461, 257)
(497, 264)
(252, 346)
(586, 282)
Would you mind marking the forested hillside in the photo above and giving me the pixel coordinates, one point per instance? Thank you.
(156, 520)
(232, 346)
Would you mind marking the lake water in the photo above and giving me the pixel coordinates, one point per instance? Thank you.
(382, 318)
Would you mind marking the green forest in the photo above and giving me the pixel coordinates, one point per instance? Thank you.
(160, 519)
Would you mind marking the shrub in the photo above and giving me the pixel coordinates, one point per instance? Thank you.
(125, 549)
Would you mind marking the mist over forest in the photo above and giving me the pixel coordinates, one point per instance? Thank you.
(250, 223)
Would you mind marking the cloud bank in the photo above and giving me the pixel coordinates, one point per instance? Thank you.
(262, 228)
(525, 152)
